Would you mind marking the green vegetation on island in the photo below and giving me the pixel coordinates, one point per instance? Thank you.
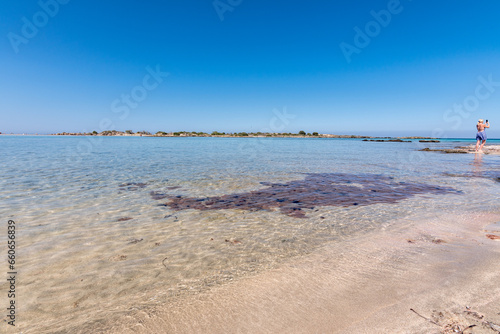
(300, 134)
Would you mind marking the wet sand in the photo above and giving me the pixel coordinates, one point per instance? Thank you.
(444, 268)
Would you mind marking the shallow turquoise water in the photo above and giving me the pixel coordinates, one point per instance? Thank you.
(93, 240)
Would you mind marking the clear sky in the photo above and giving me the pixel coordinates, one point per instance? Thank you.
(347, 67)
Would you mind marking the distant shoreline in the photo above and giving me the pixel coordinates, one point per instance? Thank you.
(236, 135)
(214, 134)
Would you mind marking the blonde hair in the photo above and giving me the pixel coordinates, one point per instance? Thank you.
(480, 121)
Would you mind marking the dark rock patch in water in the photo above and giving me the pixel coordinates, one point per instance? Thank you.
(132, 186)
(388, 140)
(156, 195)
(323, 189)
(460, 151)
(486, 174)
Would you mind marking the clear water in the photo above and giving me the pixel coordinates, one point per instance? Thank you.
(94, 245)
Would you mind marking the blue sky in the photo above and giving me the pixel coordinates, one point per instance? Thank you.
(423, 68)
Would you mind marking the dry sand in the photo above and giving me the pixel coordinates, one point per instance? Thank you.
(444, 268)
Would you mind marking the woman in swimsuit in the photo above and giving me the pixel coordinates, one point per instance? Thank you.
(481, 134)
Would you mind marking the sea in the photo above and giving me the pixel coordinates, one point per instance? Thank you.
(108, 226)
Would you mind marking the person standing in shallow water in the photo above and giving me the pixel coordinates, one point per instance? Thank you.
(481, 134)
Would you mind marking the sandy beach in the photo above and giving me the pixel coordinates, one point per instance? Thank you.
(444, 268)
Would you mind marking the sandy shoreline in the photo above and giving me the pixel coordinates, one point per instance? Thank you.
(437, 267)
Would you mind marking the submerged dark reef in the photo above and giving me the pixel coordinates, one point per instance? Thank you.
(132, 186)
(483, 174)
(322, 189)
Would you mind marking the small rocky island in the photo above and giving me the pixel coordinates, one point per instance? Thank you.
(397, 140)
(300, 134)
